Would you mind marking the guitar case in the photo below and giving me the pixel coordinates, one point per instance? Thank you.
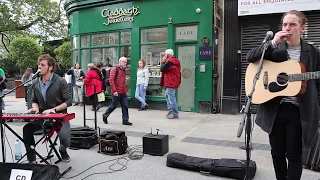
(231, 168)
(313, 162)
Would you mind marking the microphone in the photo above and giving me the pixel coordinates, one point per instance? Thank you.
(37, 73)
(268, 36)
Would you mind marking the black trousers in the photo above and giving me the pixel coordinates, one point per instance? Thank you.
(286, 143)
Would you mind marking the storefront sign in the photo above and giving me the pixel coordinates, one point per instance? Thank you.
(252, 7)
(205, 53)
(119, 15)
(187, 33)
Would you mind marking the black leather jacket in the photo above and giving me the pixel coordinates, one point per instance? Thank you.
(56, 94)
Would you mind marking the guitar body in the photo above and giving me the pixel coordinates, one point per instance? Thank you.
(273, 80)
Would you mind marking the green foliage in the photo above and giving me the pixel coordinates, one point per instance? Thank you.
(25, 52)
(37, 18)
(10, 67)
(63, 54)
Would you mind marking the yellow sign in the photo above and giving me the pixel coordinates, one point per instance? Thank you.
(120, 15)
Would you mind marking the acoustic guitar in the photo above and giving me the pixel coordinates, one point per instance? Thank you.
(276, 79)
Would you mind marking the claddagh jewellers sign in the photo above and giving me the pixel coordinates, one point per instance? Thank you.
(119, 15)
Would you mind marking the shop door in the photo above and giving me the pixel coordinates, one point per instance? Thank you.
(186, 92)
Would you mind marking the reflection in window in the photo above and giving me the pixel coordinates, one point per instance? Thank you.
(105, 39)
(125, 51)
(75, 42)
(85, 41)
(154, 35)
(85, 59)
(75, 57)
(125, 37)
(105, 55)
(153, 54)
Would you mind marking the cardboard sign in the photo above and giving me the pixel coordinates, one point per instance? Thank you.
(18, 174)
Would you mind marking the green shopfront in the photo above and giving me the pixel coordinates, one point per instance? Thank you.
(103, 31)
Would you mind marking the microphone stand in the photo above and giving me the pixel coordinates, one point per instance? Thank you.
(247, 112)
(3, 123)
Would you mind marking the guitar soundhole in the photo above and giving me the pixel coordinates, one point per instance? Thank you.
(282, 79)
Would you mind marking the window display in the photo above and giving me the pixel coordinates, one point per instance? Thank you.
(153, 52)
(105, 39)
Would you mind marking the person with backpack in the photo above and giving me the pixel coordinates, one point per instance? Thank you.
(117, 81)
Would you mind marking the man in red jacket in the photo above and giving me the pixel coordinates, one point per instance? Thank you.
(119, 90)
(171, 79)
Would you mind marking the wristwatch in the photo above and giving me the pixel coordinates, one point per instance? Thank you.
(55, 110)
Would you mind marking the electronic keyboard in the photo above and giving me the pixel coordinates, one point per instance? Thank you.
(59, 116)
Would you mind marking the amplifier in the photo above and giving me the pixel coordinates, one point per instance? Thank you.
(39, 171)
(155, 144)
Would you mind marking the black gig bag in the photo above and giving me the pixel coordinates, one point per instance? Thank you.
(83, 137)
(231, 168)
(113, 142)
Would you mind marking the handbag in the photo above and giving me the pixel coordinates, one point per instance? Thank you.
(101, 97)
(79, 83)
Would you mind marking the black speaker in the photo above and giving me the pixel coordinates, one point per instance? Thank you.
(39, 171)
(154, 144)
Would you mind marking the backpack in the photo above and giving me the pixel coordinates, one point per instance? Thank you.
(107, 82)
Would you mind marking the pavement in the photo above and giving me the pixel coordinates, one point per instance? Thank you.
(201, 135)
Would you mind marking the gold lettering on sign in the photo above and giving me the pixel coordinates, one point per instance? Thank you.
(120, 15)
(205, 52)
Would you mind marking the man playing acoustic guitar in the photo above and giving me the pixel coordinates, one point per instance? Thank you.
(291, 122)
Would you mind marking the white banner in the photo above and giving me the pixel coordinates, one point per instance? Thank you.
(252, 7)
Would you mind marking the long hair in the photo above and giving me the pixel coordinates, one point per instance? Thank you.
(27, 74)
(143, 64)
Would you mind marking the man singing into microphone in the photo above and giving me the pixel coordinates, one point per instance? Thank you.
(50, 95)
(291, 122)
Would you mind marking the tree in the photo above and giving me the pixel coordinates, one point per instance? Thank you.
(10, 67)
(25, 52)
(63, 54)
(36, 18)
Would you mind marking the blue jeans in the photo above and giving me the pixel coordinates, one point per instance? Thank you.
(172, 101)
(2, 102)
(123, 99)
(141, 94)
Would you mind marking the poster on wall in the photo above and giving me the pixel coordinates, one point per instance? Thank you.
(254, 7)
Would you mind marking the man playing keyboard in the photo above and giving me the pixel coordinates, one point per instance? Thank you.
(50, 95)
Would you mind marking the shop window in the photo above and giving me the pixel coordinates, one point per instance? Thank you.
(154, 35)
(75, 57)
(184, 33)
(107, 56)
(75, 42)
(125, 37)
(85, 59)
(105, 39)
(125, 51)
(85, 41)
(152, 52)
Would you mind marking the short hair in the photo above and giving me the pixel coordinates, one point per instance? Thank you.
(90, 65)
(48, 58)
(301, 15)
(99, 65)
(169, 52)
(123, 59)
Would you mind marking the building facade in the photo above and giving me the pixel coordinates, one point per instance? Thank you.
(105, 30)
(246, 23)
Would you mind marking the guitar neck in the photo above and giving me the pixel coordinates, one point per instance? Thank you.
(304, 76)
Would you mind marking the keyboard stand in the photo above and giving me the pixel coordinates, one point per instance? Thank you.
(32, 148)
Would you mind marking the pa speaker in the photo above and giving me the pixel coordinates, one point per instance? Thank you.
(39, 171)
(155, 144)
